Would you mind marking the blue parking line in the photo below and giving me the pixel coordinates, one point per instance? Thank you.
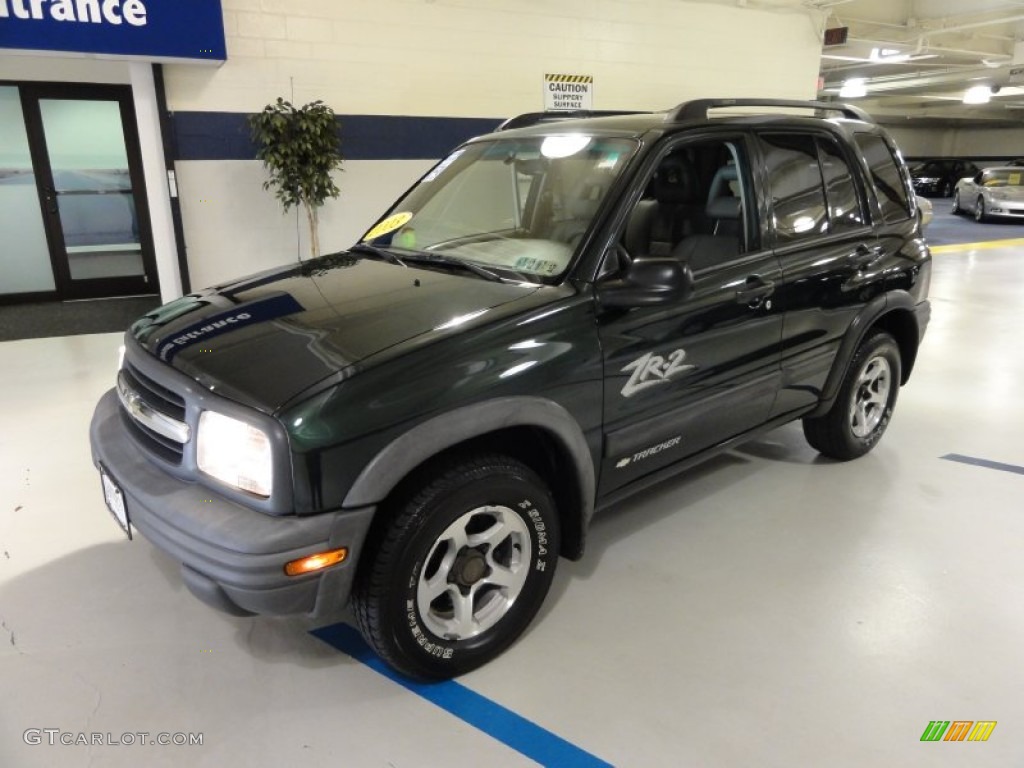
(515, 731)
(984, 463)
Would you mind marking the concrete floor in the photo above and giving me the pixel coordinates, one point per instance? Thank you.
(768, 609)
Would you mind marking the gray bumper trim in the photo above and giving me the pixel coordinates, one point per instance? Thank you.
(239, 551)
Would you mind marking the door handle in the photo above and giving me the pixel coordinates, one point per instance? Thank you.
(754, 290)
(865, 256)
(50, 194)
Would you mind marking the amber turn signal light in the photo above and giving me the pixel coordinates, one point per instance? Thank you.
(316, 562)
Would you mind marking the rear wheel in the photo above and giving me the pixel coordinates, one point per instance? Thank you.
(979, 210)
(864, 406)
(461, 569)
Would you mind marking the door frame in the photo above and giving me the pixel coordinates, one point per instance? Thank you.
(67, 288)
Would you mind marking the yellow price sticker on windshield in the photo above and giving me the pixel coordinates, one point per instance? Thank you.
(1014, 180)
(390, 224)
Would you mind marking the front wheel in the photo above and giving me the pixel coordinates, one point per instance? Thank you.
(947, 188)
(956, 203)
(863, 408)
(461, 569)
(979, 210)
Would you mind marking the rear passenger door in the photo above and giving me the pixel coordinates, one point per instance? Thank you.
(682, 377)
(822, 235)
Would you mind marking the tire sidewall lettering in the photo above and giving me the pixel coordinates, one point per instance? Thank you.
(411, 629)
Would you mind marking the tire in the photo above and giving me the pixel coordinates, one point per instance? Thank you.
(979, 210)
(947, 188)
(482, 535)
(956, 209)
(862, 410)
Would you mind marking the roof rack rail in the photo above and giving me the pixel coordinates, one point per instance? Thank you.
(698, 108)
(552, 116)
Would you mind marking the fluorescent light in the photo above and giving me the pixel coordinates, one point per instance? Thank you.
(978, 94)
(888, 55)
(854, 88)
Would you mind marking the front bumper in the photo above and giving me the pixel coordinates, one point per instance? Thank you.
(232, 557)
(1008, 208)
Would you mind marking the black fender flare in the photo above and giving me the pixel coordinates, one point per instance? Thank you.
(429, 438)
(876, 308)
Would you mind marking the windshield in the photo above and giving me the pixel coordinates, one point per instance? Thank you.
(518, 204)
(1003, 178)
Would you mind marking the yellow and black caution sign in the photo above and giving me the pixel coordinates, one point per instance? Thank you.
(568, 92)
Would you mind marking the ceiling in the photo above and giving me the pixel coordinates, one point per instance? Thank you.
(918, 57)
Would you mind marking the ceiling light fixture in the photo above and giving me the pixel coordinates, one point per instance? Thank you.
(888, 55)
(854, 88)
(978, 94)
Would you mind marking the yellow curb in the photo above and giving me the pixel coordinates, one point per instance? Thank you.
(977, 246)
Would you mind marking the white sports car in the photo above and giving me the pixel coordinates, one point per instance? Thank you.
(992, 192)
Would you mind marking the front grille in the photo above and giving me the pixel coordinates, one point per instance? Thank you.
(163, 401)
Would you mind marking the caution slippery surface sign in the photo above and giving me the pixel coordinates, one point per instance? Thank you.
(568, 92)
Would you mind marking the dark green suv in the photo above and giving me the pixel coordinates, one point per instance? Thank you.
(557, 315)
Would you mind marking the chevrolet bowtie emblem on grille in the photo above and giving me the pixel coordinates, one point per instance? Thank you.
(651, 370)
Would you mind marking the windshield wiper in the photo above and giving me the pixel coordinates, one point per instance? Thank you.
(373, 250)
(436, 258)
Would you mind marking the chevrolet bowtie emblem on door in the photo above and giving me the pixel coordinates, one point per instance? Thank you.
(651, 370)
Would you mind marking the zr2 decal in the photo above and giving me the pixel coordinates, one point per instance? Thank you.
(651, 370)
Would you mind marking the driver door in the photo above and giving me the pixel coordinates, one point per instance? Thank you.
(685, 376)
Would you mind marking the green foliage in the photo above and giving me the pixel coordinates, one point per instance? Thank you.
(299, 147)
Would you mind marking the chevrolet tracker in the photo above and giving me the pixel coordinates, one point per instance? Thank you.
(557, 315)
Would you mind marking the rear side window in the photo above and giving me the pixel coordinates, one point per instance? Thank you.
(844, 210)
(797, 191)
(892, 193)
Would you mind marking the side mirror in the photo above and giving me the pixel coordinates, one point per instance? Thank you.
(647, 282)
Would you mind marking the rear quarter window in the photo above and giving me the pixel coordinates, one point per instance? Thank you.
(892, 192)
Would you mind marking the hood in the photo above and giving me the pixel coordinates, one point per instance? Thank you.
(264, 339)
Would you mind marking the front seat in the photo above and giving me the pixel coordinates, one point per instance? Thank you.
(657, 225)
(725, 212)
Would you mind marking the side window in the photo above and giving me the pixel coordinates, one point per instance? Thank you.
(892, 192)
(797, 191)
(696, 206)
(844, 209)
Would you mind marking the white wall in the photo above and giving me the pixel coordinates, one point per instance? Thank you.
(467, 58)
(454, 58)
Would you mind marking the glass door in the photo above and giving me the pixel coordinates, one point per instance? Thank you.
(91, 189)
(25, 266)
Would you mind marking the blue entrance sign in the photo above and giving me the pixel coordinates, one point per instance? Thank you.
(144, 29)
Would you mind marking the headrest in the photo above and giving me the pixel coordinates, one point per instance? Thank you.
(724, 176)
(724, 208)
(586, 197)
(675, 182)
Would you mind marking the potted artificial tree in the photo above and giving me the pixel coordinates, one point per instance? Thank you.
(299, 147)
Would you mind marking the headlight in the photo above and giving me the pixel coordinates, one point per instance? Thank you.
(926, 179)
(234, 452)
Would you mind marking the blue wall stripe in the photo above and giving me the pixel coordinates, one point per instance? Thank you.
(984, 463)
(515, 731)
(225, 135)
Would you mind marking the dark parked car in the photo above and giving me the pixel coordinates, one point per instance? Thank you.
(556, 316)
(938, 178)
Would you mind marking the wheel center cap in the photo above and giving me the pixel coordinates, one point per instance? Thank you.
(470, 569)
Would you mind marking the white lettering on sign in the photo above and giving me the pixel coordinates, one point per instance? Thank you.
(568, 92)
(132, 12)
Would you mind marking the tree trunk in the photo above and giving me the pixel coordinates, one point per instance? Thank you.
(314, 225)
